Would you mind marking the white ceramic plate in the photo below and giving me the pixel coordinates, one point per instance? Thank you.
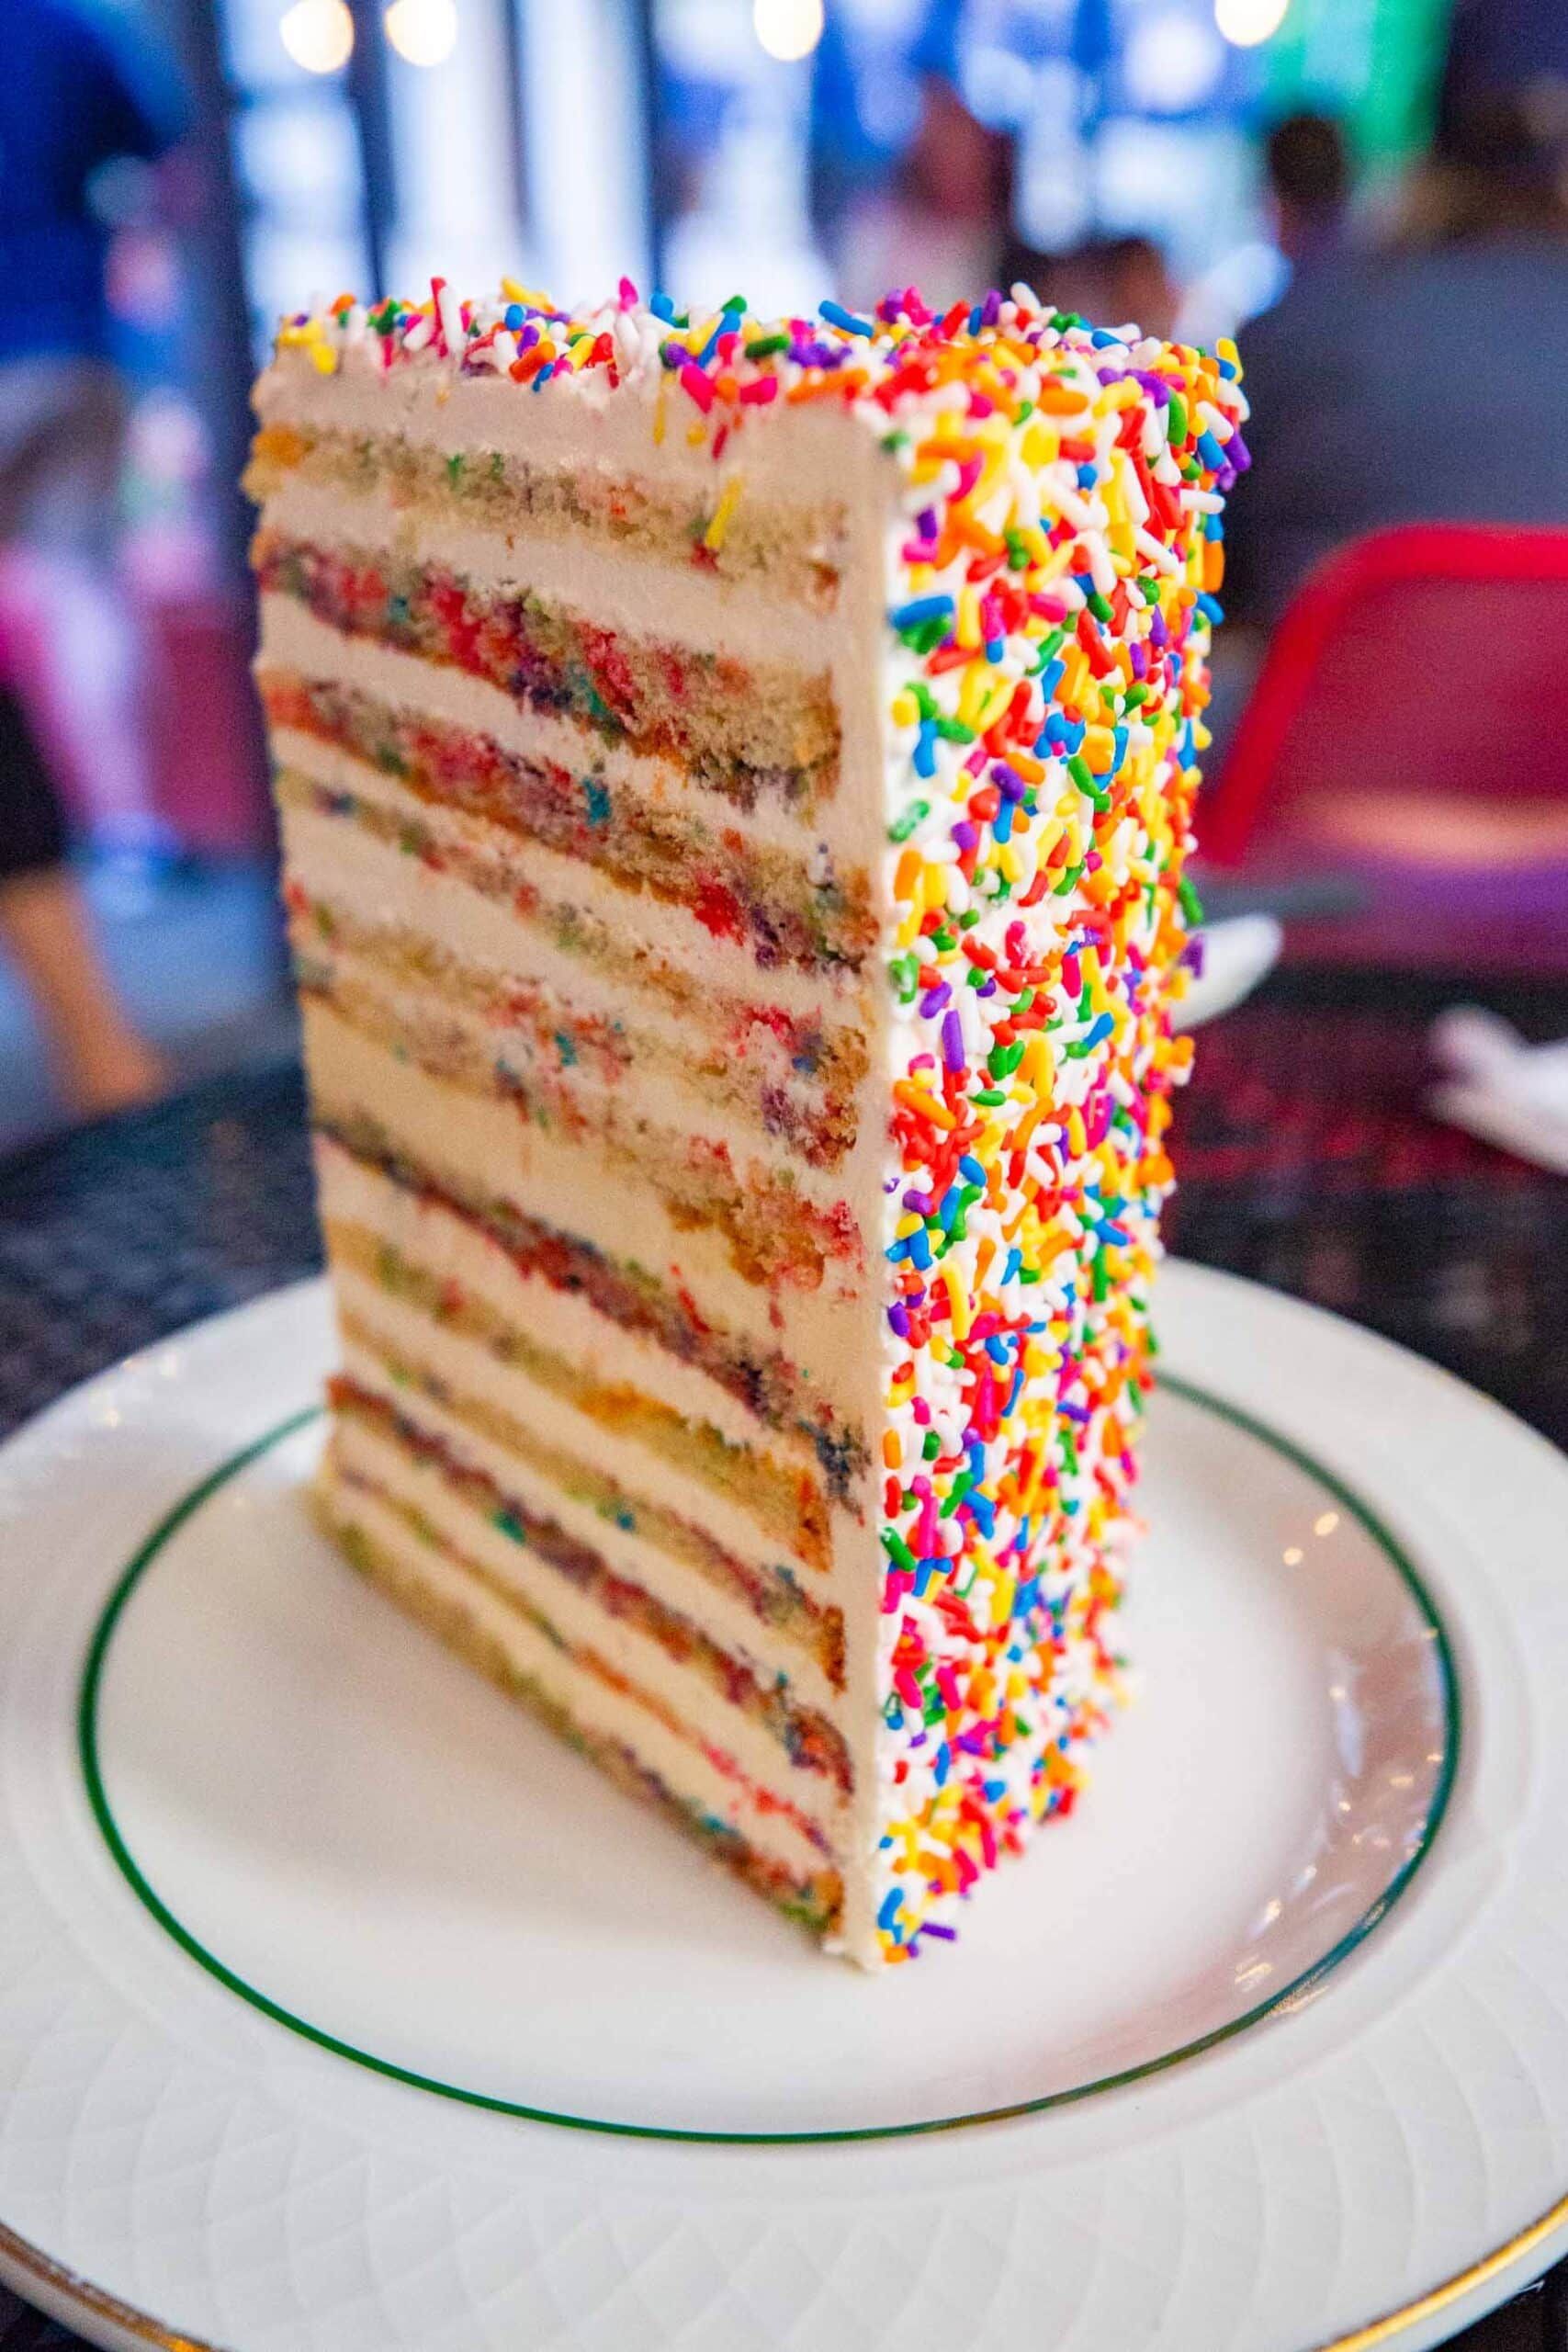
(316, 1957)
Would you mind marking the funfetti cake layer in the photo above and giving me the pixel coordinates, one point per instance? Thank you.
(735, 780)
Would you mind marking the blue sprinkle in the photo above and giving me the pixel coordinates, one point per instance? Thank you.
(1001, 824)
(515, 316)
(924, 755)
(921, 609)
(940, 1771)
(1087, 477)
(993, 1791)
(892, 1903)
(542, 377)
(995, 648)
(1212, 611)
(969, 1166)
(1012, 1392)
(1015, 1259)
(1052, 675)
(983, 1510)
(663, 308)
(1209, 449)
(997, 1348)
(1102, 337)
(837, 316)
(920, 1251)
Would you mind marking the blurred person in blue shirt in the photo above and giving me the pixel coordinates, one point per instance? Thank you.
(1368, 408)
(71, 106)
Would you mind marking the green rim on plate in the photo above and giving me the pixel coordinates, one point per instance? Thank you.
(1286, 1997)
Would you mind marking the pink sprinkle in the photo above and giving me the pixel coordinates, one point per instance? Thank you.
(696, 384)
(758, 394)
(627, 294)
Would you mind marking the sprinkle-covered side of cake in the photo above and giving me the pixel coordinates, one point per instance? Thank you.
(735, 780)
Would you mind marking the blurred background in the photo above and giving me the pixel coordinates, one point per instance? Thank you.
(1372, 194)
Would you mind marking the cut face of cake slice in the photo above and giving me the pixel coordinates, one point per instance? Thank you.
(735, 781)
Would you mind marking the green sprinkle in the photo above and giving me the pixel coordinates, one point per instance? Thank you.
(897, 1550)
(902, 826)
(1192, 904)
(990, 1096)
(931, 1446)
(1177, 417)
(1098, 605)
(763, 346)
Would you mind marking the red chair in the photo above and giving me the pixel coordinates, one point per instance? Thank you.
(1409, 730)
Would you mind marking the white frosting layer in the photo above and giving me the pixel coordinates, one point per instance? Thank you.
(649, 1107)
(293, 637)
(546, 1175)
(469, 1372)
(592, 1703)
(711, 1720)
(669, 930)
(566, 1320)
(579, 574)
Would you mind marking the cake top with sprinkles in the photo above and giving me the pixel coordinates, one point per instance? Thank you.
(1008, 354)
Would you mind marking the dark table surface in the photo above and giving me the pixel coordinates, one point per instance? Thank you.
(1306, 1163)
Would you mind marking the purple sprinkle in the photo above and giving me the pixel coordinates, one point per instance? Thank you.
(952, 1041)
(947, 1935)
(920, 1202)
(1193, 955)
(1158, 633)
(1008, 781)
(966, 835)
(898, 1318)
(1238, 453)
(987, 987)
(1140, 659)
(933, 1001)
(926, 522)
(991, 308)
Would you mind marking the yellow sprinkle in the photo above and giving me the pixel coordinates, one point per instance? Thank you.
(991, 709)
(968, 624)
(958, 1303)
(658, 413)
(729, 500)
(905, 710)
(324, 358)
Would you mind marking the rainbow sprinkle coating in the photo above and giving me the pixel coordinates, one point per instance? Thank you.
(1055, 562)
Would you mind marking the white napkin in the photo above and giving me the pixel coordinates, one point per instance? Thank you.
(1501, 1089)
(1237, 953)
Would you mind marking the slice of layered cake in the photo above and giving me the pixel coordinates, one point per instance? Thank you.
(735, 780)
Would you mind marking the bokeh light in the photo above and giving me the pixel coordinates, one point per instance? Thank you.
(424, 33)
(788, 29)
(1245, 23)
(319, 35)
